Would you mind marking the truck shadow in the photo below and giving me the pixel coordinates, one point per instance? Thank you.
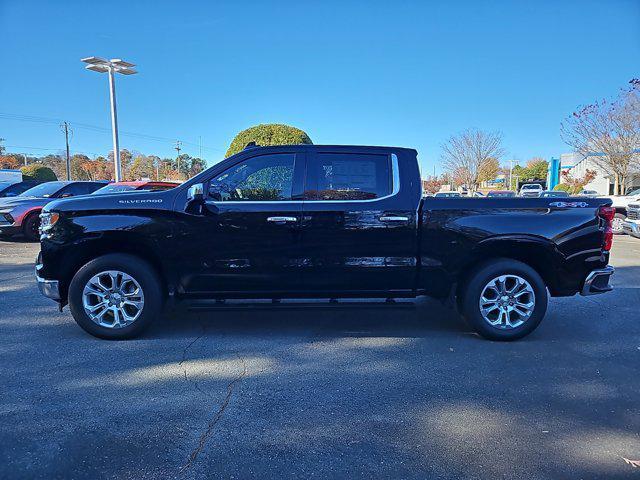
(418, 318)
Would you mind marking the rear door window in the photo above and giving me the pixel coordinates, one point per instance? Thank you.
(348, 176)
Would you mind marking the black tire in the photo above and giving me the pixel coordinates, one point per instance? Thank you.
(616, 225)
(473, 289)
(141, 272)
(30, 227)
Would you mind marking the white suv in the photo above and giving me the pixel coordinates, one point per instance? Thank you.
(530, 190)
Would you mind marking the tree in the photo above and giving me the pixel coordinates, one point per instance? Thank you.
(608, 132)
(142, 167)
(433, 184)
(472, 155)
(9, 162)
(536, 169)
(268, 134)
(489, 170)
(573, 185)
(38, 172)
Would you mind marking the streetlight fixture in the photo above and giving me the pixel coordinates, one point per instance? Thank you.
(113, 66)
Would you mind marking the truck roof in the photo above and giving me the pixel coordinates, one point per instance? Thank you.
(327, 147)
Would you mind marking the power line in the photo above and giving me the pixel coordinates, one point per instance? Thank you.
(95, 128)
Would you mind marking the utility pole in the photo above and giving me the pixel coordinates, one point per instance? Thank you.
(65, 128)
(25, 159)
(177, 149)
(511, 174)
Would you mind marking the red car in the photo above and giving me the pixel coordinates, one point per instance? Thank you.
(121, 187)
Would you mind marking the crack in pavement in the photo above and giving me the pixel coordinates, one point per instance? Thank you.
(184, 357)
(216, 418)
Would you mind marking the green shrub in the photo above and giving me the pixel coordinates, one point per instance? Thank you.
(563, 187)
(38, 172)
(268, 134)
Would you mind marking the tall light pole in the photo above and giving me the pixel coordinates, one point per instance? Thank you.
(113, 66)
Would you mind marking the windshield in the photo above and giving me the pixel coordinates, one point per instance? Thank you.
(114, 189)
(634, 192)
(43, 190)
(531, 187)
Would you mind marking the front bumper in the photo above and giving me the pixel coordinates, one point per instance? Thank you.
(598, 281)
(48, 288)
(6, 229)
(631, 228)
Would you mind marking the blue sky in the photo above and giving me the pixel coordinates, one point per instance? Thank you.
(383, 73)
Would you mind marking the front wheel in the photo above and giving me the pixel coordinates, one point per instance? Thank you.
(504, 300)
(31, 227)
(115, 296)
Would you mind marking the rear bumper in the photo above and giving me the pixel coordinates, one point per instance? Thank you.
(598, 281)
(631, 228)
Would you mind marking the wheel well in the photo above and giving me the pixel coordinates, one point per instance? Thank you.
(536, 257)
(30, 214)
(95, 250)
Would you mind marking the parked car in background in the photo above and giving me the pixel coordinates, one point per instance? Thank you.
(554, 194)
(531, 190)
(21, 214)
(10, 176)
(314, 221)
(447, 194)
(631, 224)
(588, 193)
(10, 189)
(135, 186)
(620, 203)
(501, 193)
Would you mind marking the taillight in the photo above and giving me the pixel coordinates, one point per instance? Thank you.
(607, 214)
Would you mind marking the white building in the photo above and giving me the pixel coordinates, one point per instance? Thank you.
(577, 166)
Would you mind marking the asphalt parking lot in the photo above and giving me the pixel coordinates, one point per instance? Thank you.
(331, 391)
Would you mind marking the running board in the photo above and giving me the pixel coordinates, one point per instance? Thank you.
(291, 304)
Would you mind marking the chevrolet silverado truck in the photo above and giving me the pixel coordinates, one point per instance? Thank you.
(311, 221)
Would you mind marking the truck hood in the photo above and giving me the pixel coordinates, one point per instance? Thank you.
(115, 201)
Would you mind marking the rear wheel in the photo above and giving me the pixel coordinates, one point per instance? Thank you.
(115, 296)
(30, 227)
(504, 300)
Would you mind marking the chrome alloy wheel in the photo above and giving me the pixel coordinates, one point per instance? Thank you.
(113, 299)
(507, 301)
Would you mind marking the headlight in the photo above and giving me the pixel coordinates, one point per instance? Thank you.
(48, 220)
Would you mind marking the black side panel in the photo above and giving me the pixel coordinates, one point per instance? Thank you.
(562, 242)
(363, 245)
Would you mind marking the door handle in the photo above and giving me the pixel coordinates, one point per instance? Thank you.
(393, 218)
(282, 219)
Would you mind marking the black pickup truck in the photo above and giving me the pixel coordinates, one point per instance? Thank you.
(314, 221)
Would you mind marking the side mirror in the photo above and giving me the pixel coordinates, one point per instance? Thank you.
(195, 192)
